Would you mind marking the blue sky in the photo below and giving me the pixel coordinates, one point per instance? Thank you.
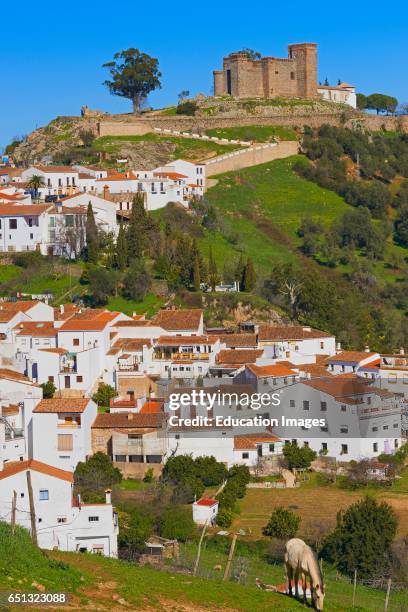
(51, 54)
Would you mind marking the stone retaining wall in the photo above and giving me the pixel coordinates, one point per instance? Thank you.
(244, 158)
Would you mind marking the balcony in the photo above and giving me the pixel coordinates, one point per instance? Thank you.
(181, 356)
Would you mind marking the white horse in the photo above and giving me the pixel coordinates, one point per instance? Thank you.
(301, 562)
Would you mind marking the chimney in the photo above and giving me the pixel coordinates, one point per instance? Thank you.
(61, 309)
(307, 329)
(106, 192)
(401, 351)
(130, 416)
(338, 346)
(108, 496)
(366, 349)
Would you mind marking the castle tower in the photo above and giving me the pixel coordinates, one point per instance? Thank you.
(305, 59)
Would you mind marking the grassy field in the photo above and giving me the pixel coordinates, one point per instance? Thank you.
(258, 505)
(257, 133)
(185, 148)
(150, 305)
(97, 583)
(61, 280)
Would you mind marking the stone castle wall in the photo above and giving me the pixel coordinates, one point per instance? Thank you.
(139, 127)
(258, 154)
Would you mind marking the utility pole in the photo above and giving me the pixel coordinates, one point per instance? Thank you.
(197, 561)
(230, 557)
(387, 597)
(13, 512)
(354, 587)
(32, 509)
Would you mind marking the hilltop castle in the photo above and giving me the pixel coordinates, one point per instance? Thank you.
(272, 77)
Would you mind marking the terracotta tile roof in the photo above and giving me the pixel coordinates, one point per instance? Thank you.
(130, 420)
(132, 345)
(238, 340)
(174, 176)
(58, 350)
(177, 320)
(37, 466)
(26, 210)
(20, 305)
(68, 404)
(64, 169)
(10, 410)
(12, 197)
(83, 325)
(249, 441)
(185, 340)
(152, 406)
(69, 311)
(206, 501)
(271, 370)
(13, 375)
(133, 323)
(352, 356)
(269, 332)
(239, 356)
(44, 329)
(341, 387)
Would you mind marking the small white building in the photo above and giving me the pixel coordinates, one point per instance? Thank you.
(61, 431)
(342, 94)
(205, 511)
(58, 180)
(61, 522)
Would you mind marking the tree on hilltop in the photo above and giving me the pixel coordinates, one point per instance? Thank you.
(134, 75)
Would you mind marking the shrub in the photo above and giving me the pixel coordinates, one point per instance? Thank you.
(282, 524)
(97, 473)
(362, 538)
(298, 457)
(48, 389)
(176, 523)
(224, 518)
(187, 108)
(149, 475)
(104, 394)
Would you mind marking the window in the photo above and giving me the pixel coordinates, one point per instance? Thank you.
(324, 446)
(395, 425)
(292, 76)
(44, 495)
(272, 448)
(61, 519)
(31, 236)
(343, 408)
(344, 429)
(13, 223)
(344, 449)
(385, 426)
(59, 182)
(306, 405)
(120, 458)
(65, 442)
(375, 447)
(369, 400)
(323, 406)
(245, 455)
(75, 342)
(69, 220)
(322, 345)
(177, 436)
(51, 379)
(306, 444)
(93, 519)
(292, 403)
(395, 443)
(79, 379)
(375, 429)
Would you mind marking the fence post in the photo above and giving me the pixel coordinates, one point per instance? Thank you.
(197, 561)
(230, 557)
(387, 597)
(354, 587)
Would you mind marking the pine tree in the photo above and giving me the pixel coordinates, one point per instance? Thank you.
(121, 249)
(92, 239)
(212, 270)
(249, 276)
(136, 231)
(196, 274)
(326, 82)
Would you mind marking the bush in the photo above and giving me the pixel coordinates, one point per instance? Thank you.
(362, 538)
(97, 473)
(28, 260)
(104, 394)
(224, 518)
(298, 457)
(48, 389)
(136, 526)
(176, 523)
(282, 524)
(149, 475)
(187, 108)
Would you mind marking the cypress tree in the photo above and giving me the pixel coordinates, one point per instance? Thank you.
(196, 274)
(249, 276)
(212, 270)
(136, 238)
(121, 248)
(92, 239)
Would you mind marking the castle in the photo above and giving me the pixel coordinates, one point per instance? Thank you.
(272, 77)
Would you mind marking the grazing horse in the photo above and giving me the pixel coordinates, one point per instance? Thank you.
(301, 561)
